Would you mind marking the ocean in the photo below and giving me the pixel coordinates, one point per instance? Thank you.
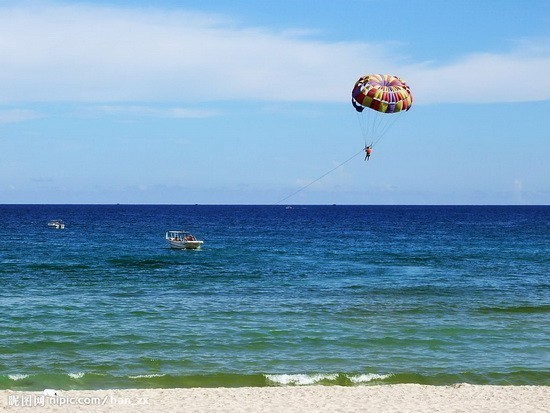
(277, 296)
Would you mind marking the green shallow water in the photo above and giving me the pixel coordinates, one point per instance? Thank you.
(94, 381)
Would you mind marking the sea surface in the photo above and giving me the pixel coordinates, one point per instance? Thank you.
(278, 296)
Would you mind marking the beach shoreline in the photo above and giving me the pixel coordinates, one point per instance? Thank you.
(386, 398)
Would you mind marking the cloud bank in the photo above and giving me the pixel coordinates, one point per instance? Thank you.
(18, 115)
(87, 53)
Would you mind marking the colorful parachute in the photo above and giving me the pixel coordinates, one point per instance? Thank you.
(381, 95)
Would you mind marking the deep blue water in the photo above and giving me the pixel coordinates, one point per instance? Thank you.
(345, 295)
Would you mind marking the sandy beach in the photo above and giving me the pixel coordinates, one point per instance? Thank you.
(387, 398)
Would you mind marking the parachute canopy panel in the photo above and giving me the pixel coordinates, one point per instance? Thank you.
(382, 93)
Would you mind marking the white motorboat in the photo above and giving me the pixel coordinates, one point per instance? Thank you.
(183, 240)
(56, 224)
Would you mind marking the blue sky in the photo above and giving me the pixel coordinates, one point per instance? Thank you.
(248, 102)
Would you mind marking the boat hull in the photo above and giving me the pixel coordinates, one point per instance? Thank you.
(56, 225)
(185, 245)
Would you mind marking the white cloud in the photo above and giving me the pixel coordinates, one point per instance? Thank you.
(183, 113)
(86, 53)
(174, 112)
(100, 54)
(518, 190)
(517, 76)
(18, 115)
(517, 185)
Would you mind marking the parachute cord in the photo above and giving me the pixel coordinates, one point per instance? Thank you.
(374, 127)
(321, 177)
(362, 121)
(386, 128)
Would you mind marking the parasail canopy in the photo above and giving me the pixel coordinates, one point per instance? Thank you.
(382, 93)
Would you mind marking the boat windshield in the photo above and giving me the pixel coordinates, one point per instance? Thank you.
(180, 236)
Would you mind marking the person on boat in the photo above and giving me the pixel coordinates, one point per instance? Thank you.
(368, 151)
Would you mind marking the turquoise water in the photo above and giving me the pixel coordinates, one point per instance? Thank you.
(348, 295)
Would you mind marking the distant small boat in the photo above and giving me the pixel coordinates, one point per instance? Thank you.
(56, 224)
(183, 240)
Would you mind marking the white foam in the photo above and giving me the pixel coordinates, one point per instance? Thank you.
(146, 376)
(299, 379)
(76, 375)
(365, 378)
(17, 376)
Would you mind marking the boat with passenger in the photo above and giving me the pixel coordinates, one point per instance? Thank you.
(182, 240)
(56, 224)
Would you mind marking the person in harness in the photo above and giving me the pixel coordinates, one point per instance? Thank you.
(368, 151)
